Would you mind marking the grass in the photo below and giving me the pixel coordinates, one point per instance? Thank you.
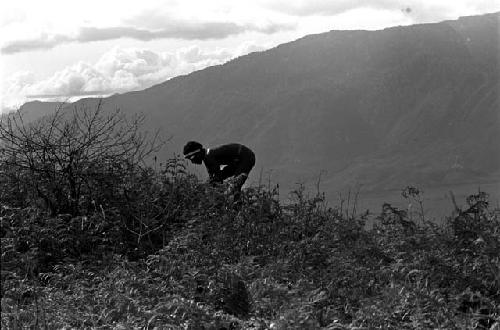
(180, 256)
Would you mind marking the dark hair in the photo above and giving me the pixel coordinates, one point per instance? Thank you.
(191, 146)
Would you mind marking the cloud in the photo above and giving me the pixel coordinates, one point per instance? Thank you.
(11, 16)
(199, 20)
(45, 41)
(171, 30)
(176, 31)
(118, 70)
(322, 7)
(419, 10)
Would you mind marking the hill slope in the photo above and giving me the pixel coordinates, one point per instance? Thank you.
(417, 104)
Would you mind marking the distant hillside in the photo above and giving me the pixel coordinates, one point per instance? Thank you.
(405, 105)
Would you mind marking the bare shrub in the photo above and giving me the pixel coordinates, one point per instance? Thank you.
(71, 160)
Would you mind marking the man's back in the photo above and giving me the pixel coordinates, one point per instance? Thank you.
(237, 158)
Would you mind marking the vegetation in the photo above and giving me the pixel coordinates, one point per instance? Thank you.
(104, 241)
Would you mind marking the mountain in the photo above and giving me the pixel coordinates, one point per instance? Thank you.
(404, 105)
(33, 110)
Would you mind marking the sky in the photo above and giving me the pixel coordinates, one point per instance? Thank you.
(64, 50)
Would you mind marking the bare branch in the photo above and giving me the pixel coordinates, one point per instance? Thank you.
(69, 150)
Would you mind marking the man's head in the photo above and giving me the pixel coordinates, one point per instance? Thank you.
(194, 151)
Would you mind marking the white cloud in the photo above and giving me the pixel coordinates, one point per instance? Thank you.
(194, 54)
(29, 25)
(430, 9)
(11, 17)
(32, 26)
(118, 70)
(177, 30)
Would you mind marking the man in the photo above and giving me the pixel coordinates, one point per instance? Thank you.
(237, 160)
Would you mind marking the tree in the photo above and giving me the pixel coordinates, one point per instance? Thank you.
(74, 158)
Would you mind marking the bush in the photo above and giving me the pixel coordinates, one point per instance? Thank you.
(157, 248)
(71, 161)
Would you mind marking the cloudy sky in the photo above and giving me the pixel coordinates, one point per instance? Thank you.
(63, 50)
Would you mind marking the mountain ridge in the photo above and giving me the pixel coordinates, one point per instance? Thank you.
(415, 104)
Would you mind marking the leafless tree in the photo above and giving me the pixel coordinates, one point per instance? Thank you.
(66, 158)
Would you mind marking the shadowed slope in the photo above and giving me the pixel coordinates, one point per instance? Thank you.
(412, 104)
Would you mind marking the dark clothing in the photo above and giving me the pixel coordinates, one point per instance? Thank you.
(237, 159)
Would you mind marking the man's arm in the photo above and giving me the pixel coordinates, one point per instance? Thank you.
(214, 172)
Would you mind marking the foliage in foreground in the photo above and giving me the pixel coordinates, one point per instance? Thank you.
(259, 265)
(92, 238)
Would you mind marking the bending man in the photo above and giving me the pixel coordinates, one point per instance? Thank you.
(236, 159)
